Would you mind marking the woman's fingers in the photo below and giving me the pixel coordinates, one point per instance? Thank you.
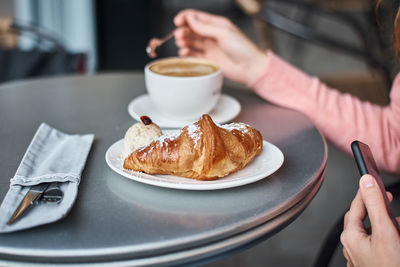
(345, 254)
(358, 211)
(375, 205)
(353, 229)
(187, 52)
(182, 17)
(347, 257)
(356, 214)
(211, 19)
(185, 38)
(363, 248)
(190, 43)
(390, 196)
(205, 29)
(184, 33)
(202, 23)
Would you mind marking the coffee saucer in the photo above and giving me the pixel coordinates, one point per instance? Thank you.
(226, 110)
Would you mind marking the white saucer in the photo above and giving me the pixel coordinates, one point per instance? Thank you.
(226, 109)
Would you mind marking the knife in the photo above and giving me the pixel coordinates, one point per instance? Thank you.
(33, 194)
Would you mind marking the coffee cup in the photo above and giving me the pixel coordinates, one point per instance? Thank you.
(183, 88)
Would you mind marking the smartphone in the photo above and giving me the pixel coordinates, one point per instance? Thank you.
(366, 165)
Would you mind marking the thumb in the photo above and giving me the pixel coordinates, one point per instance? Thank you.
(375, 204)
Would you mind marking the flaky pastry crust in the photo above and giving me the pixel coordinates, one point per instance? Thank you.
(202, 151)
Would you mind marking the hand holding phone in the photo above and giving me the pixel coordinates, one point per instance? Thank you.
(366, 165)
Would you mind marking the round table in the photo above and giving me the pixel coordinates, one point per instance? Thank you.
(117, 221)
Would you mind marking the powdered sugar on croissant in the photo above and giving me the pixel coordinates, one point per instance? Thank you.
(201, 151)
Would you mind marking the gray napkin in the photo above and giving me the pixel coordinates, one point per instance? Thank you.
(52, 156)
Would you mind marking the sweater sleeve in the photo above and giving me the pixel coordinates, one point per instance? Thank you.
(340, 117)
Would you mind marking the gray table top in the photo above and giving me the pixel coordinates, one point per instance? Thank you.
(116, 219)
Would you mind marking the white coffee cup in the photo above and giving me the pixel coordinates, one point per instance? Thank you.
(184, 88)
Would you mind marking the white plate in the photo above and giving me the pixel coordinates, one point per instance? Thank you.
(226, 110)
(266, 163)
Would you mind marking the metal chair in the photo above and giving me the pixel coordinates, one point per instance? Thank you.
(56, 60)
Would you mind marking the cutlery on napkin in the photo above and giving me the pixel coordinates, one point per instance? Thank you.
(50, 170)
(45, 192)
(34, 193)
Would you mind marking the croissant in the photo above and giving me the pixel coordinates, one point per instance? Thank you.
(202, 151)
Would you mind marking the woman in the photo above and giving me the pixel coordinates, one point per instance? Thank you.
(216, 38)
(340, 117)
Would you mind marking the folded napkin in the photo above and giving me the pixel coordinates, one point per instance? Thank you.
(52, 156)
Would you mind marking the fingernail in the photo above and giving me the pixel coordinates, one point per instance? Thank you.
(367, 181)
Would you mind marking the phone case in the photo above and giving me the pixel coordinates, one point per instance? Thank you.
(366, 165)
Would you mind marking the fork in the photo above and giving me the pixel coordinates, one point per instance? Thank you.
(53, 193)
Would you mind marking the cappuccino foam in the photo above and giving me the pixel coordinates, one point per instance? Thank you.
(183, 68)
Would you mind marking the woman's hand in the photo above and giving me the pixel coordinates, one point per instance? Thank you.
(382, 246)
(200, 34)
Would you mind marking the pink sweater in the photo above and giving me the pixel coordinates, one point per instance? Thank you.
(340, 117)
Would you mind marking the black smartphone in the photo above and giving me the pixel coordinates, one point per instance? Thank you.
(366, 165)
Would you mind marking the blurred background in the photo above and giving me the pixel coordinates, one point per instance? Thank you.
(106, 35)
(345, 43)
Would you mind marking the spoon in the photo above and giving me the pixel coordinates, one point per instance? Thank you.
(154, 43)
